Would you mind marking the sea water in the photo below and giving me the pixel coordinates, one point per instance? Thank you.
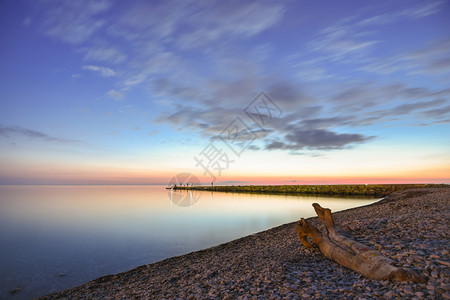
(56, 237)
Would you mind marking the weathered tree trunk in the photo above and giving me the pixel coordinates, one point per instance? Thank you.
(349, 253)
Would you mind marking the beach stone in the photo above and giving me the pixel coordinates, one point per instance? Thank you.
(442, 262)
(389, 295)
(419, 295)
(408, 291)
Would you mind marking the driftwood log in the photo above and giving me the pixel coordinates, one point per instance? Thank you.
(349, 253)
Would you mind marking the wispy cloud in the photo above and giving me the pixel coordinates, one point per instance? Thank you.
(104, 53)
(75, 21)
(193, 56)
(442, 112)
(422, 10)
(433, 58)
(11, 131)
(168, 30)
(354, 41)
(117, 95)
(230, 19)
(193, 24)
(103, 71)
(308, 126)
(410, 107)
(340, 42)
(418, 11)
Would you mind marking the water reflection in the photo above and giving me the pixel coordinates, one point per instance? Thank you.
(183, 198)
(55, 237)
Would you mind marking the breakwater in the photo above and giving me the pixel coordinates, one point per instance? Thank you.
(338, 189)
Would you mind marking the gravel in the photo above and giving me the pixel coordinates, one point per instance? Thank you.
(411, 227)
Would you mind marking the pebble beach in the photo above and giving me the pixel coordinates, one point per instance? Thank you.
(411, 227)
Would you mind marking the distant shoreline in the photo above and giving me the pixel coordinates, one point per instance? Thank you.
(376, 190)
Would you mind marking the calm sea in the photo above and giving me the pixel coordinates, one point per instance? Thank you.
(56, 237)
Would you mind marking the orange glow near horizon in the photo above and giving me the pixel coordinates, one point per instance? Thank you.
(130, 176)
(246, 171)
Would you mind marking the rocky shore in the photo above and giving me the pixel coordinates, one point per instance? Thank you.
(411, 227)
(374, 190)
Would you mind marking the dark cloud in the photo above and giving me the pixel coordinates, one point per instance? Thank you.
(323, 139)
(325, 122)
(317, 139)
(275, 145)
(287, 95)
(16, 130)
(296, 133)
(254, 148)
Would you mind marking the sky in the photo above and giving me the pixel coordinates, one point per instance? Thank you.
(230, 92)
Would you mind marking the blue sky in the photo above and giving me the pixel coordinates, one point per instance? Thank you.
(133, 91)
